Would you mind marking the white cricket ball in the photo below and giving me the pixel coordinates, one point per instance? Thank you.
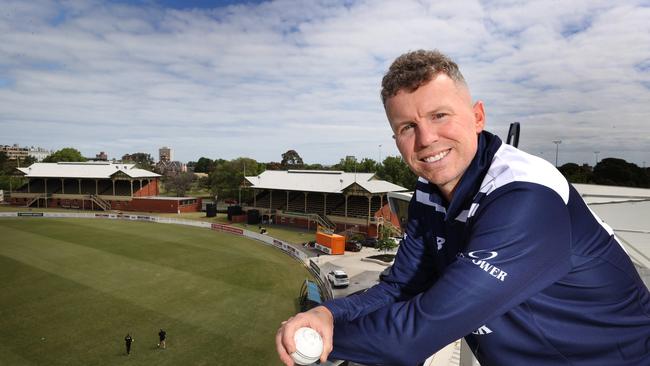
(309, 346)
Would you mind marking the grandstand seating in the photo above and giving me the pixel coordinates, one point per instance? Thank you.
(262, 199)
(279, 200)
(375, 204)
(334, 201)
(296, 202)
(53, 186)
(70, 186)
(105, 187)
(357, 205)
(87, 187)
(315, 202)
(122, 188)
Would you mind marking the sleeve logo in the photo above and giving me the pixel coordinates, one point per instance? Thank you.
(480, 258)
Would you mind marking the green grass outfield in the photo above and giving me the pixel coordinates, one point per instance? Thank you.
(70, 290)
(282, 232)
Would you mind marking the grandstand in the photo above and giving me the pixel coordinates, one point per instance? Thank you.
(97, 185)
(335, 199)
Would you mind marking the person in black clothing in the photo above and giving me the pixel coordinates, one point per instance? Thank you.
(128, 340)
(162, 336)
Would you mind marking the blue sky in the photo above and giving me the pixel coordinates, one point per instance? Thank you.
(224, 79)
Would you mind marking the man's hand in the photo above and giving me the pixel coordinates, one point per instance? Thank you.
(319, 318)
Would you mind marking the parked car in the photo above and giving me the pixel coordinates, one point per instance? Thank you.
(338, 278)
(370, 242)
(353, 246)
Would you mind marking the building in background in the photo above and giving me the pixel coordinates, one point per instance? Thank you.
(102, 156)
(39, 153)
(165, 167)
(16, 152)
(165, 154)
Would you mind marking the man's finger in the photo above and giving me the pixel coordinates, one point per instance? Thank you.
(327, 337)
(285, 357)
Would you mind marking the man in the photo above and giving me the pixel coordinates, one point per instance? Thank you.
(499, 249)
(128, 340)
(162, 337)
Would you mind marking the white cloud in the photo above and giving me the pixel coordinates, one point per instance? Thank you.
(257, 80)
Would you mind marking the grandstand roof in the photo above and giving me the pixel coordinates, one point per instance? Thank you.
(601, 194)
(93, 169)
(626, 210)
(324, 181)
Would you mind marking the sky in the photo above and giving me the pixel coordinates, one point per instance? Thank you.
(227, 79)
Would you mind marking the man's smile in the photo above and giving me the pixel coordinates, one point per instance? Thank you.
(436, 157)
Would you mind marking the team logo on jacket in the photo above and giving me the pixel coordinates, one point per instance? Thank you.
(439, 242)
(481, 258)
(482, 330)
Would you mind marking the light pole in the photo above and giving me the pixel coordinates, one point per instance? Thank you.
(557, 148)
(596, 152)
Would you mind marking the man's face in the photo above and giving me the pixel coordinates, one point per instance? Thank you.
(436, 130)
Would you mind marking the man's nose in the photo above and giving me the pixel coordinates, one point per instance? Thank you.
(426, 134)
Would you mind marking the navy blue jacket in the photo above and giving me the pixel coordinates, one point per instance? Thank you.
(516, 263)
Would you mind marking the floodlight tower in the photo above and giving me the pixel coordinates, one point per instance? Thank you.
(557, 148)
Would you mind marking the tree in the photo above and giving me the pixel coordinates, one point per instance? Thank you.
(191, 165)
(179, 183)
(141, 160)
(385, 241)
(367, 165)
(227, 177)
(315, 166)
(395, 170)
(203, 182)
(575, 173)
(65, 154)
(29, 160)
(204, 165)
(348, 164)
(618, 172)
(4, 163)
(291, 159)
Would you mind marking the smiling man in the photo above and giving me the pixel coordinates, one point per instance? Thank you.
(499, 249)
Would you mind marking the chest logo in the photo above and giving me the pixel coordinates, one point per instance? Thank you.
(440, 241)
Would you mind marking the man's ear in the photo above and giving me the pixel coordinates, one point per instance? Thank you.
(479, 116)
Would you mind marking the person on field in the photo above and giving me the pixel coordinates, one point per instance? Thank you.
(128, 340)
(499, 249)
(162, 337)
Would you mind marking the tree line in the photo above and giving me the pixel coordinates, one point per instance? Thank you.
(225, 177)
(609, 171)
